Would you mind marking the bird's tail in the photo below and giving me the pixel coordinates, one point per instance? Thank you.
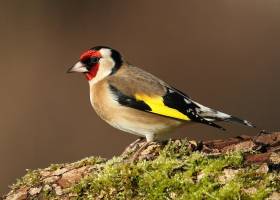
(237, 120)
(214, 115)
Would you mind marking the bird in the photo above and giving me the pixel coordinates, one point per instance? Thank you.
(137, 102)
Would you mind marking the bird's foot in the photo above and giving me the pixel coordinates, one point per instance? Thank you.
(132, 146)
(136, 155)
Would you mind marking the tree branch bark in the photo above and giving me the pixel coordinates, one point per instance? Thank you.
(57, 181)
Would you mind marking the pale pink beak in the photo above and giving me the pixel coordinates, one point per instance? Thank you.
(78, 67)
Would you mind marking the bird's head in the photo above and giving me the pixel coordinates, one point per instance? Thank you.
(98, 63)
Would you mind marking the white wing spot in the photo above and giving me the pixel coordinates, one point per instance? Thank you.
(187, 101)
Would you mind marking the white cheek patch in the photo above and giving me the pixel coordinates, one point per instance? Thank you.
(105, 69)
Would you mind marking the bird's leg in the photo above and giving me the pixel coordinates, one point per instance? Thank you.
(136, 142)
(132, 145)
(139, 151)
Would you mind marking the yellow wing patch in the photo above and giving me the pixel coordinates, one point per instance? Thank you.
(157, 106)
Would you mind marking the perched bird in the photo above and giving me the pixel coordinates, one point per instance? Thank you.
(137, 102)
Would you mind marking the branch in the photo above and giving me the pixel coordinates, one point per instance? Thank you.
(239, 167)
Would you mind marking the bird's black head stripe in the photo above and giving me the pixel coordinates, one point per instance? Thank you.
(116, 56)
(97, 48)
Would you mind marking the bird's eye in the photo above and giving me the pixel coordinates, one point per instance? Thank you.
(93, 60)
(90, 62)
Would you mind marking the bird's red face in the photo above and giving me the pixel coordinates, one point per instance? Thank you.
(91, 59)
(98, 63)
(88, 64)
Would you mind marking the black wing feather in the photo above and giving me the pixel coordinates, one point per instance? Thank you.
(181, 102)
(129, 101)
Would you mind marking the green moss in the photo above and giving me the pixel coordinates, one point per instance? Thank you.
(275, 181)
(48, 194)
(88, 161)
(54, 167)
(31, 178)
(174, 174)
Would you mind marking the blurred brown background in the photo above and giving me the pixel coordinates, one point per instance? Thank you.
(224, 54)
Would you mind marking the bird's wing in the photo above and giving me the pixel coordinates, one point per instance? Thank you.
(140, 90)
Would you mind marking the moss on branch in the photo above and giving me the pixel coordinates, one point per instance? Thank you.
(237, 168)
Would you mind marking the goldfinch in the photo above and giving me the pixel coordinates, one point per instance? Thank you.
(137, 102)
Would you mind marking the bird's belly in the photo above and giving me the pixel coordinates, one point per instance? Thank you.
(140, 123)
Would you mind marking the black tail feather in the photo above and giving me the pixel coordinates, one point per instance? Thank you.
(240, 121)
